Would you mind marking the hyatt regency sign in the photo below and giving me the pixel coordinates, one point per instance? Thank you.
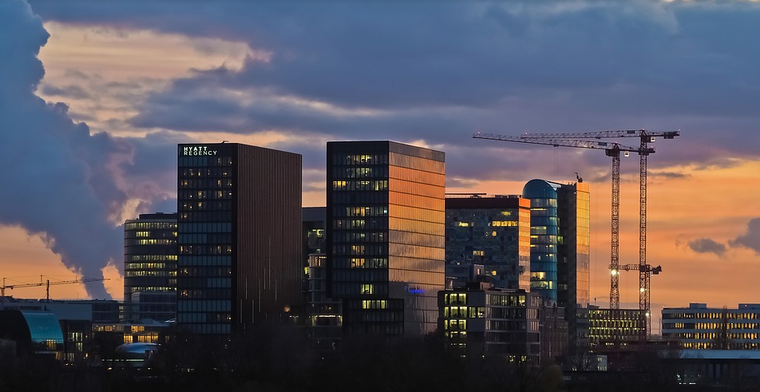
(198, 151)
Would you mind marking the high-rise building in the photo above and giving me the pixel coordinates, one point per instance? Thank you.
(150, 267)
(574, 246)
(239, 236)
(385, 235)
(493, 231)
(544, 233)
(560, 247)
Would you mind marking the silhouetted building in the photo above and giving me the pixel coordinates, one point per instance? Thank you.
(700, 327)
(481, 321)
(385, 235)
(493, 231)
(460, 273)
(150, 267)
(239, 235)
(554, 332)
(324, 320)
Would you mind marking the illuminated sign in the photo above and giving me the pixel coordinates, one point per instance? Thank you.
(191, 151)
(416, 291)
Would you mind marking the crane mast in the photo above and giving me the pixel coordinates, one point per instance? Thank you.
(645, 270)
(612, 150)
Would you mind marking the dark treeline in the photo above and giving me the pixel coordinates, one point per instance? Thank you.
(276, 358)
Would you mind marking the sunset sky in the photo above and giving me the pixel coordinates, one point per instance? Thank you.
(95, 95)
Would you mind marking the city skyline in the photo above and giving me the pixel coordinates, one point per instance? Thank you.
(293, 76)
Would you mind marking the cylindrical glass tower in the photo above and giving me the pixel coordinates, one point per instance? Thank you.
(543, 237)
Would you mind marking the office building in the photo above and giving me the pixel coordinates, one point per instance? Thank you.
(560, 248)
(150, 267)
(324, 316)
(385, 235)
(611, 328)
(239, 236)
(479, 321)
(493, 231)
(699, 327)
(574, 246)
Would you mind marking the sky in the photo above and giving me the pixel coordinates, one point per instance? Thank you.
(96, 94)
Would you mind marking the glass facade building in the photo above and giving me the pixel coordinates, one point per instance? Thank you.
(239, 236)
(385, 235)
(492, 231)
(544, 232)
(561, 248)
(150, 267)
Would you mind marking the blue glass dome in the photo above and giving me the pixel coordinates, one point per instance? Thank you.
(539, 189)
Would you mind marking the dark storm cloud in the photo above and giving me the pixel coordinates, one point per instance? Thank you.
(55, 182)
(60, 181)
(438, 71)
(441, 70)
(706, 245)
(751, 239)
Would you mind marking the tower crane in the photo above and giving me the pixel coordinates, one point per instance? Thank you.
(612, 150)
(645, 270)
(47, 283)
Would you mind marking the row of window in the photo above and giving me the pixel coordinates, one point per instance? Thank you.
(205, 249)
(203, 161)
(138, 258)
(215, 172)
(204, 195)
(219, 205)
(140, 273)
(190, 260)
(464, 311)
(362, 198)
(361, 224)
(360, 275)
(205, 271)
(359, 236)
(151, 234)
(361, 211)
(360, 250)
(345, 289)
(149, 266)
(210, 227)
(340, 172)
(129, 226)
(207, 183)
(217, 238)
(360, 262)
(206, 294)
(360, 185)
(148, 241)
(359, 159)
(712, 316)
(205, 216)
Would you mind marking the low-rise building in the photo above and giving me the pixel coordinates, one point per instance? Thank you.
(701, 327)
(485, 321)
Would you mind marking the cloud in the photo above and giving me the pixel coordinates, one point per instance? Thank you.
(440, 72)
(751, 239)
(60, 181)
(66, 91)
(706, 245)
